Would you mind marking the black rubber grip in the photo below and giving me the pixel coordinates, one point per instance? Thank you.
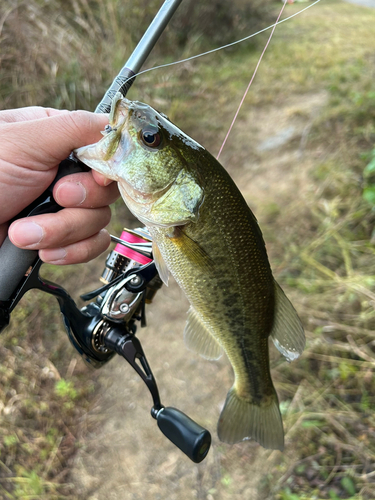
(190, 437)
(14, 264)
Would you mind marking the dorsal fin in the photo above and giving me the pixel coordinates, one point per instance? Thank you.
(287, 331)
(198, 337)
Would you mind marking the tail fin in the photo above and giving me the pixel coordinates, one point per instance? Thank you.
(241, 419)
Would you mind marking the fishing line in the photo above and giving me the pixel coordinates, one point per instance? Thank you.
(228, 45)
(251, 80)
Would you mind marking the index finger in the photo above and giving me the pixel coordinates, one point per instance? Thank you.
(29, 113)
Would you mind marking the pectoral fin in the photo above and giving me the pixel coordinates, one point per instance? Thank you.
(287, 332)
(160, 264)
(198, 337)
(191, 249)
(187, 246)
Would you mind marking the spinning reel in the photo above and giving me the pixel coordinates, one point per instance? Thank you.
(108, 324)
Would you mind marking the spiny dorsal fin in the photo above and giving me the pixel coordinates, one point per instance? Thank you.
(198, 338)
(160, 264)
(287, 332)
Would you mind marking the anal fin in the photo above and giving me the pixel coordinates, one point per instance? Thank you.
(287, 332)
(198, 337)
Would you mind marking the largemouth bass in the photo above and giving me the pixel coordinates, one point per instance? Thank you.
(205, 234)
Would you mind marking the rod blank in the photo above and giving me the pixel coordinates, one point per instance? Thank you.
(126, 77)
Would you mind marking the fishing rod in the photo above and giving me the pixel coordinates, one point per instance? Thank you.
(108, 324)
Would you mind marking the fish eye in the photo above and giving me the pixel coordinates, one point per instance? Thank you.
(150, 137)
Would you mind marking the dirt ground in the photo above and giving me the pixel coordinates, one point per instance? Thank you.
(127, 457)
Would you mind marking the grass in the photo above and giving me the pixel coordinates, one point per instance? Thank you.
(328, 257)
(321, 245)
(64, 54)
(40, 408)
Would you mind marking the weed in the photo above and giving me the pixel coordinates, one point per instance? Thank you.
(65, 389)
(369, 177)
(321, 247)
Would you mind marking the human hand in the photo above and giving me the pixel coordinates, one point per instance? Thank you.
(33, 141)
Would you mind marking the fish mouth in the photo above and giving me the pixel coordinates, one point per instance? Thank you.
(106, 155)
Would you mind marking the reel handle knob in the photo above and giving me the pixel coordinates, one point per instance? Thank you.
(190, 437)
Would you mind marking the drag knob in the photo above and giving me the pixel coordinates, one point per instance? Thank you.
(191, 438)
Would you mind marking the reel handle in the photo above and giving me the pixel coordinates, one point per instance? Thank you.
(190, 437)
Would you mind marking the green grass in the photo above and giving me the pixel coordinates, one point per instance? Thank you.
(322, 246)
(328, 258)
(65, 54)
(40, 409)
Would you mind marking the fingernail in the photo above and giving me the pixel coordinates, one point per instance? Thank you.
(53, 256)
(25, 233)
(71, 194)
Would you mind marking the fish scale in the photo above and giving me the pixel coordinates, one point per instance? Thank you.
(204, 233)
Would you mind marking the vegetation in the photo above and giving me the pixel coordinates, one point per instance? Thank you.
(321, 243)
(65, 53)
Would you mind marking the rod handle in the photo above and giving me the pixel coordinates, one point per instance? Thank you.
(14, 261)
(14, 264)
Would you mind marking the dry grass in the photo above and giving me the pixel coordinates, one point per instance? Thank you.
(318, 230)
(64, 54)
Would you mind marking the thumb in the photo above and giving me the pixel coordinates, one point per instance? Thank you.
(40, 144)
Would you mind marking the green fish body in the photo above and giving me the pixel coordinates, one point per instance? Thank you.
(204, 233)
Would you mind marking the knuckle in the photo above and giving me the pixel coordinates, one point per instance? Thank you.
(73, 123)
(69, 223)
(75, 224)
(107, 215)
